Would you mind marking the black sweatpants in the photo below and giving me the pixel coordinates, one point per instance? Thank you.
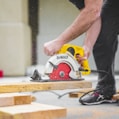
(106, 46)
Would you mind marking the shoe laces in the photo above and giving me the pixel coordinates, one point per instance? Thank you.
(96, 94)
(100, 97)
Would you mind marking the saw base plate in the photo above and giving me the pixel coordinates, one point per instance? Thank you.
(57, 80)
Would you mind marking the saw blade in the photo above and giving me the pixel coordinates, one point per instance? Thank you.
(61, 72)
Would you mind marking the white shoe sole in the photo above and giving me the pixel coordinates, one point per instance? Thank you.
(99, 102)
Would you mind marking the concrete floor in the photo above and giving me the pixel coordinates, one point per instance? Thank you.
(74, 109)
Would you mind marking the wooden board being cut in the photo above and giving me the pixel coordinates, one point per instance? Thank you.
(32, 111)
(42, 86)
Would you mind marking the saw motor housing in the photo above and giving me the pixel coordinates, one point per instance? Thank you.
(76, 50)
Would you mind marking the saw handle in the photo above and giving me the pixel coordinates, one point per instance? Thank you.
(76, 50)
(71, 50)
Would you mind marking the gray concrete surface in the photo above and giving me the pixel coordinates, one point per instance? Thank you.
(74, 109)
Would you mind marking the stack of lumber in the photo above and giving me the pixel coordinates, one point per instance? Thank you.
(20, 106)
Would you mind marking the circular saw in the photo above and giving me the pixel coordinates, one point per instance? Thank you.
(64, 66)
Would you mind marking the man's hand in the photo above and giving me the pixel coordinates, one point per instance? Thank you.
(52, 47)
(87, 53)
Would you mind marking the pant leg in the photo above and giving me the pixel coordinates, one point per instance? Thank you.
(104, 52)
(78, 3)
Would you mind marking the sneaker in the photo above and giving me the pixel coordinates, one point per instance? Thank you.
(94, 98)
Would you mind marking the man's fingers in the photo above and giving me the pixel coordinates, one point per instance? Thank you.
(80, 59)
(49, 52)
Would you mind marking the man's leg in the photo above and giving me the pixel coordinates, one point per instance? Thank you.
(104, 55)
(105, 49)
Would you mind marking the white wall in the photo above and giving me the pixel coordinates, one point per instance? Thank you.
(54, 17)
(15, 37)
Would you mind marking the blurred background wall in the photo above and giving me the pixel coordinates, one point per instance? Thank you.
(25, 25)
(15, 37)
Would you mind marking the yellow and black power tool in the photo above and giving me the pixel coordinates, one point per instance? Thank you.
(76, 50)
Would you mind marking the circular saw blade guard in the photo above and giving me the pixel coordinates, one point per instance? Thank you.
(62, 67)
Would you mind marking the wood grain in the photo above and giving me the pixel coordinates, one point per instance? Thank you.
(38, 86)
(32, 111)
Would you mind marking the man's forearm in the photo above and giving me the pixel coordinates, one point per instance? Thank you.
(78, 27)
(92, 34)
(82, 23)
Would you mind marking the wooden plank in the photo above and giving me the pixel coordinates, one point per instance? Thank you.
(9, 99)
(41, 86)
(79, 93)
(32, 111)
(115, 97)
(75, 95)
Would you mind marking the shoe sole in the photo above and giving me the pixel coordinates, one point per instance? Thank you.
(99, 102)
